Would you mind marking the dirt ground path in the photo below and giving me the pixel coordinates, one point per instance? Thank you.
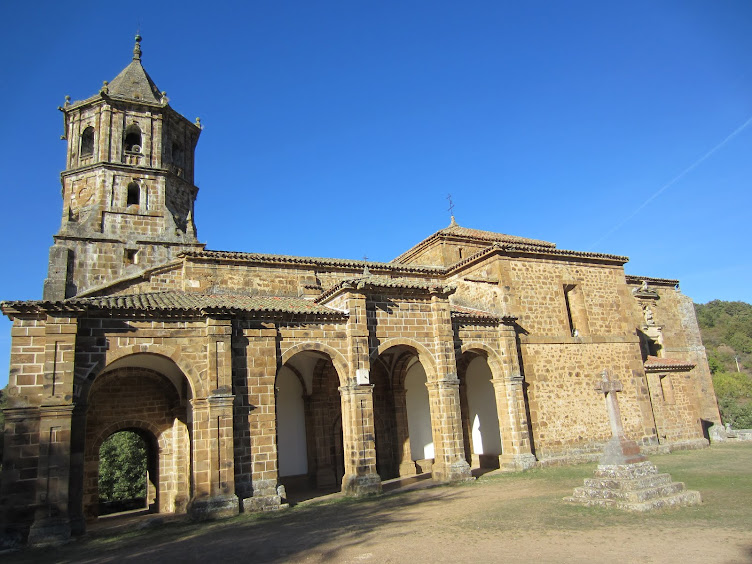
(512, 520)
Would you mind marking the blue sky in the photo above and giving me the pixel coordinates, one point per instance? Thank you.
(337, 128)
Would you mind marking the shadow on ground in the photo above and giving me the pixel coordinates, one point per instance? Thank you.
(277, 537)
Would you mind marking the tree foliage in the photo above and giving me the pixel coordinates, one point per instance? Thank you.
(122, 467)
(727, 334)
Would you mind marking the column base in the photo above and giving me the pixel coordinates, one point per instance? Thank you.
(360, 486)
(214, 507)
(407, 469)
(267, 496)
(455, 472)
(50, 531)
(516, 462)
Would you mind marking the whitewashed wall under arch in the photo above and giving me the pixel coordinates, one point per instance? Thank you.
(418, 413)
(291, 429)
(481, 404)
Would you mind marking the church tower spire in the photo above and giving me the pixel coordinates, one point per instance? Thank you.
(128, 185)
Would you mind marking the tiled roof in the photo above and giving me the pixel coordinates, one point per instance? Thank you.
(183, 302)
(455, 230)
(315, 261)
(656, 364)
(632, 279)
(374, 282)
(528, 249)
(134, 83)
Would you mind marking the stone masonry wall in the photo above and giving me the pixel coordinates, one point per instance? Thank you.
(568, 416)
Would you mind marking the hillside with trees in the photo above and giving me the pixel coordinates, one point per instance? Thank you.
(727, 335)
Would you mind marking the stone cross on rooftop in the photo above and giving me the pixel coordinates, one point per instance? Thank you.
(619, 449)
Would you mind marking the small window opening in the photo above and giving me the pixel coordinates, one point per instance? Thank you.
(87, 142)
(131, 256)
(133, 139)
(460, 250)
(134, 194)
(648, 346)
(568, 289)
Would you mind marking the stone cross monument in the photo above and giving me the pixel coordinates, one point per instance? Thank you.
(625, 479)
(619, 450)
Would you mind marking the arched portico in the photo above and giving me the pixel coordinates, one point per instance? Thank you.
(310, 452)
(146, 393)
(480, 418)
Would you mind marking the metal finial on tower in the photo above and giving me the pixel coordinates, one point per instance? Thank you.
(137, 48)
(451, 209)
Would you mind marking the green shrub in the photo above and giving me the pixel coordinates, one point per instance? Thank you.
(122, 467)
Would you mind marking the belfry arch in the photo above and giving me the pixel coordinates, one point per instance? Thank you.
(150, 395)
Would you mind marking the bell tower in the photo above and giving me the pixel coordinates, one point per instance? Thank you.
(128, 189)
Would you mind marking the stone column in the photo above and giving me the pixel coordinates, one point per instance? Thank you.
(52, 518)
(214, 463)
(510, 406)
(444, 397)
(358, 433)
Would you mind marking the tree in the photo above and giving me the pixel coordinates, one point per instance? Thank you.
(122, 467)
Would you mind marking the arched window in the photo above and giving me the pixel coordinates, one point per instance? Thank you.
(134, 194)
(177, 154)
(133, 139)
(87, 142)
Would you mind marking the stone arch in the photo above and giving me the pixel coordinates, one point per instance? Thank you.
(338, 360)
(322, 372)
(493, 358)
(140, 397)
(197, 387)
(125, 425)
(424, 355)
(392, 411)
(479, 404)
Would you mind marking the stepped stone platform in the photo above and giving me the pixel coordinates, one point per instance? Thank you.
(633, 487)
(625, 479)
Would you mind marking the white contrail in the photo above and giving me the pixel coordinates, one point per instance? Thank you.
(674, 180)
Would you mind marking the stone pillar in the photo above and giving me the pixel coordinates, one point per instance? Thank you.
(444, 398)
(406, 464)
(358, 422)
(261, 358)
(52, 517)
(359, 438)
(510, 405)
(214, 463)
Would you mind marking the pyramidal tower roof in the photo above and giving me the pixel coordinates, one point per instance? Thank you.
(133, 82)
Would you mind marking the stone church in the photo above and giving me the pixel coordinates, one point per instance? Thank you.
(244, 372)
